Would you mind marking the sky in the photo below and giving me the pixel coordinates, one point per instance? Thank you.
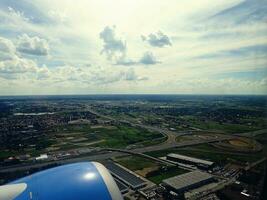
(133, 47)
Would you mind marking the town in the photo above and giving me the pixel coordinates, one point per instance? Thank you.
(155, 147)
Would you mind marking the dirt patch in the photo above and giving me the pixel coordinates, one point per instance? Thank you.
(96, 126)
(145, 171)
(81, 139)
(240, 143)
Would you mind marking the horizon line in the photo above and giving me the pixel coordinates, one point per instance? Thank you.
(130, 94)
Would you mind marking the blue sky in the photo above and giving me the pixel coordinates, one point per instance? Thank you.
(133, 46)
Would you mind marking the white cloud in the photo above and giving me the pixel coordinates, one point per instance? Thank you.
(12, 65)
(73, 33)
(17, 14)
(116, 50)
(113, 47)
(32, 45)
(94, 75)
(7, 49)
(58, 15)
(148, 59)
(17, 65)
(158, 39)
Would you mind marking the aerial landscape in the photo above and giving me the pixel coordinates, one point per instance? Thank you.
(133, 100)
(155, 137)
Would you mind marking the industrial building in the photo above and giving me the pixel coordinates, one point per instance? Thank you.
(187, 181)
(122, 187)
(201, 164)
(125, 176)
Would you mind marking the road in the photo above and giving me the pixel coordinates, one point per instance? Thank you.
(112, 153)
(252, 133)
(169, 143)
(171, 135)
(96, 157)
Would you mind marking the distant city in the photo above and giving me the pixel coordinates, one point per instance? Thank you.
(208, 147)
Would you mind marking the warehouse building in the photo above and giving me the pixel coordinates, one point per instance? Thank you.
(122, 187)
(187, 181)
(125, 176)
(201, 164)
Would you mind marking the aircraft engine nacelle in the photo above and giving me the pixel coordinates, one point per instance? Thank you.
(79, 181)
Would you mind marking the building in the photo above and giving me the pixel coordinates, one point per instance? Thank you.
(201, 164)
(125, 176)
(42, 157)
(187, 181)
(122, 187)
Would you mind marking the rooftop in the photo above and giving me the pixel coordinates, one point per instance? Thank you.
(195, 160)
(124, 175)
(187, 179)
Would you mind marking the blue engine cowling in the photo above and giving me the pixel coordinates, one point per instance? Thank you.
(79, 181)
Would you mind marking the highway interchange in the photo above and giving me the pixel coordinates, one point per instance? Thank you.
(104, 154)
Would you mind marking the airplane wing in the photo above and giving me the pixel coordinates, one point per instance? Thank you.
(79, 181)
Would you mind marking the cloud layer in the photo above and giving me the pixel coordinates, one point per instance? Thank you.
(32, 45)
(95, 47)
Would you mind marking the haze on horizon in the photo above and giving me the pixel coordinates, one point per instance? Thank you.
(133, 46)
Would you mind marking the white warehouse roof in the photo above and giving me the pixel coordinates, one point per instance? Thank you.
(186, 180)
(191, 159)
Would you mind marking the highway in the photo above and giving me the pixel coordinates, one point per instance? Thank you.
(171, 135)
(252, 133)
(169, 143)
(112, 153)
(25, 167)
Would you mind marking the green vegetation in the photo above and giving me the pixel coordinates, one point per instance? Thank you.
(226, 127)
(183, 138)
(208, 152)
(155, 172)
(124, 136)
(220, 157)
(83, 128)
(6, 154)
(159, 175)
(117, 137)
(67, 137)
(135, 163)
(262, 138)
(154, 142)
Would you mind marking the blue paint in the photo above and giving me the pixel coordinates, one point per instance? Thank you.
(79, 181)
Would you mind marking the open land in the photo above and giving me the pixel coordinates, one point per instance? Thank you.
(135, 131)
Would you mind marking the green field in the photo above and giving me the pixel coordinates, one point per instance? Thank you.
(208, 152)
(159, 172)
(117, 137)
(262, 138)
(5, 154)
(135, 163)
(159, 175)
(105, 136)
(259, 123)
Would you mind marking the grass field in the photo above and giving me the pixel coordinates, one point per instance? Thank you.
(259, 123)
(226, 127)
(117, 137)
(208, 152)
(135, 163)
(262, 138)
(163, 173)
(156, 172)
(5, 154)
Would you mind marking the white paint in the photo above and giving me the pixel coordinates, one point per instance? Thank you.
(109, 181)
(10, 192)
